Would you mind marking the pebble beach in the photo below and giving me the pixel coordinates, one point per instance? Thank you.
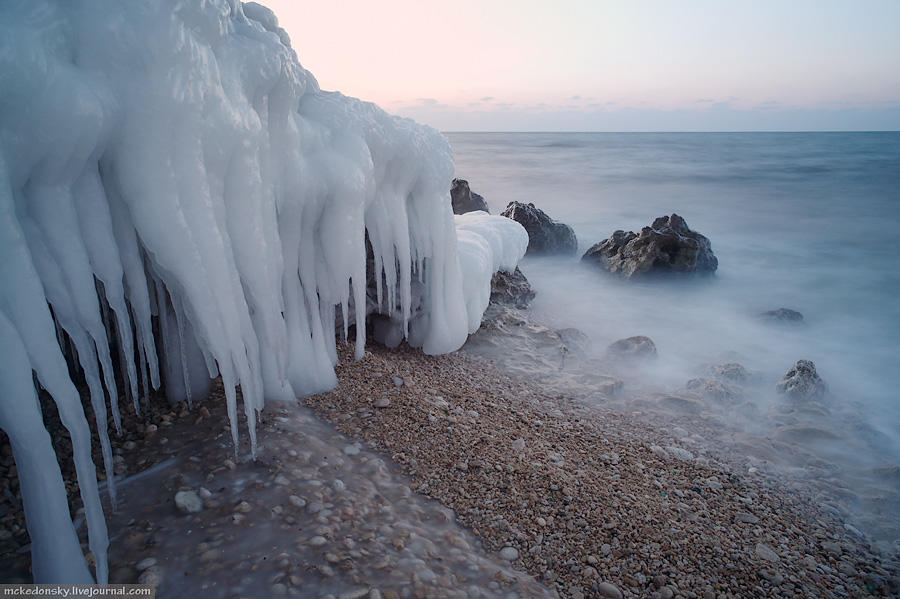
(440, 476)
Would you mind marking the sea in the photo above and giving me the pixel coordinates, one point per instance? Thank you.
(805, 221)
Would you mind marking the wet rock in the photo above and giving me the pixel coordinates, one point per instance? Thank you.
(463, 199)
(802, 382)
(666, 246)
(511, 289)
(243, 507)
(545, 236)
(632, 347)
(188, 502)
(731, 372)
(782, 316)
(713, 389)
(147, 562)
(151, 576)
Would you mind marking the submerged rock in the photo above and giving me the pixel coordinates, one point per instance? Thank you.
(545, 235)
(188, 502)
(464, 199)
(632, 347)
(782, 316)
(802, 382)
(666, 246)
(511, 289)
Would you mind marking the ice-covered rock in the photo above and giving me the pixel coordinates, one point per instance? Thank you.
(802, 382)
(545, 235)
(666, 246)
(171, 177)
(464, 199)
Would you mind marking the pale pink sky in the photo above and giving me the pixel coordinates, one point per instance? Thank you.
(603, 65)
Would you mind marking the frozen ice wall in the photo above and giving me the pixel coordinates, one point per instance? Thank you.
(179, 200)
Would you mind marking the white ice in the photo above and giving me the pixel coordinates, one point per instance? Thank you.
(173, 160)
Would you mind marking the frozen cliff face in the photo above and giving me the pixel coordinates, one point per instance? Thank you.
(173, 161)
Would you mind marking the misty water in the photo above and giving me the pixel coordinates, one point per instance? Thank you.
(806, 221)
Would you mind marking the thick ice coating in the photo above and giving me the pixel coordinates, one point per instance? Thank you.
(179, 200)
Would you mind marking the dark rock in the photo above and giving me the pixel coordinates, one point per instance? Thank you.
(633, 347)
(464, 199)
(782, 315)
(802, 382)
(545, 236)
(730, 372)
(511, 289)
(667, 246)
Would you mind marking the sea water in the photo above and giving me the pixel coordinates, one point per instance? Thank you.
(806, 221)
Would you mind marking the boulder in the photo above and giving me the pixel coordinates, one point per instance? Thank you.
(464, 199)
(511, 289)
(545, 236)
(782, 316)
(666, 246)
(802, 382)
(632, 347)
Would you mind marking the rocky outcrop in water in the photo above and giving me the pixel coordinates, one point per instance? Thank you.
(464, 199)
(545, 235)
(666, 246)
(632, 347)
(511, 289)
(782, 316)
(802, 382)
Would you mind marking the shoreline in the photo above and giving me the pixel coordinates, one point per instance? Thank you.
(588, 501)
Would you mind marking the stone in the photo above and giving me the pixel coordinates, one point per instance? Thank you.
(509, 553)
(297, 501)
(767, 553)
(681, 454)
(665, 247)
(318, 541)
(463, 199)
(782, 316)
(147, 562)
(188, 502)
(802, 382)
(511, 289)
(731, 371)
(382, 402)
(609, 590)
(545, 236)
(243, 507)
(745, 518)
(632, 347)
(150, 576)
(398, 381)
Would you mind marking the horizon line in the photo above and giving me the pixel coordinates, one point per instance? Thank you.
(679, 131)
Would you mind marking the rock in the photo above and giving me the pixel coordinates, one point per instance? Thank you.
(609, 590)
(518, 445)
(666, 246)
(782, 316)
(398, 381)
(633, 347)
(745, 518)
(188, 502)
(511, 289)
(147, 562)
(545, 236)
(712, 389)
(351, 450)
(150, 576)
(802, 382)
(243, 507)
(766, 552)
(464, 199)
(318, 541)
(297, 501)
(509, 553)
(382, 402)
(731, 372)
(681, 454)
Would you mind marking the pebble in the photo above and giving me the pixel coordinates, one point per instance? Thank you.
(318, 541)
(243, 507)
(204, 493)
(509, 553)
(188, 502)
(147, 562)
(382, 402)
(766, 552)
(609, 590)
(745, 518)
(519, 446)
(357, 593)
(150, 576)
(297, 501)
(681, 454)
(282, 480)
(351, 450)
(666, 592)
(397, 380)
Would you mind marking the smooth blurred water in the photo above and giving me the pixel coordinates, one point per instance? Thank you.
(808, 221)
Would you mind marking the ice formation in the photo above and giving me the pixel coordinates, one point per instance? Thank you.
(179, 201)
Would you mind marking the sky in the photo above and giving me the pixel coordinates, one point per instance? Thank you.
(602, 65)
